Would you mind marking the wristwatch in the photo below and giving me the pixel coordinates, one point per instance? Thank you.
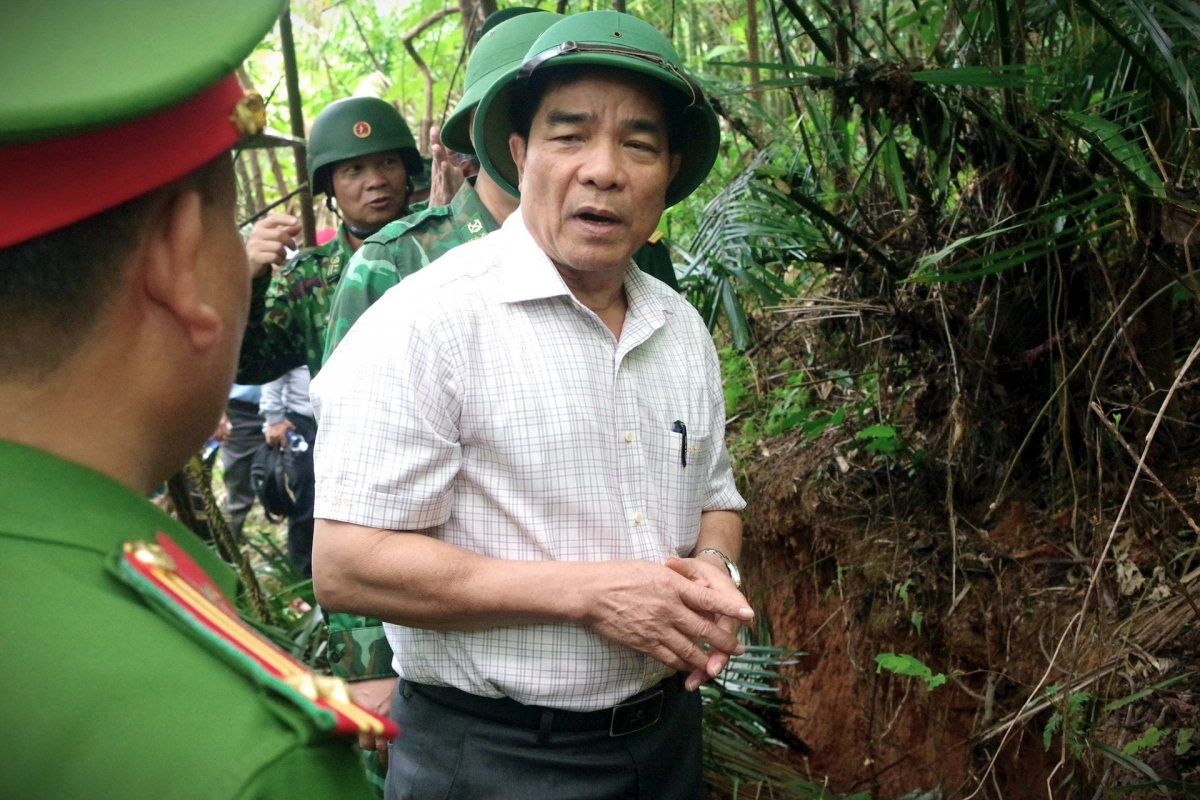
(735, 574)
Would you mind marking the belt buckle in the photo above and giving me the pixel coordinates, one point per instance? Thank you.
(636, 716)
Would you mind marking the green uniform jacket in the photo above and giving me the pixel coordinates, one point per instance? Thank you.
(289, 313)
(358, 648)
(105, 696)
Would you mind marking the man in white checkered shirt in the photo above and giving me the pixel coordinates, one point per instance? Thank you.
(521, 463)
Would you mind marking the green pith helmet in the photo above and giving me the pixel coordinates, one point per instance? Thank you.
(500, 51)
(357, 126)
(504, 15)
(608, 39)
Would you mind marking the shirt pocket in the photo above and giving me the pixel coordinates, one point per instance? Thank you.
(678, 449)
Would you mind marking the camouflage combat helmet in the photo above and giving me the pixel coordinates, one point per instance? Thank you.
(608, 39)
(357, 126)
(500, 52)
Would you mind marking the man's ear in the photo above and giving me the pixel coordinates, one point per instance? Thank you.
(676, 163)
(171, 264)
(518, 148)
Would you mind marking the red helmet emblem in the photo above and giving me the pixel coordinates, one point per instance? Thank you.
(362, 129)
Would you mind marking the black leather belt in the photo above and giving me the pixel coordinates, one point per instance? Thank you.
(635, 714)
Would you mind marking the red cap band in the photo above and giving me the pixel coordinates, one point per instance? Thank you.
(51, 184)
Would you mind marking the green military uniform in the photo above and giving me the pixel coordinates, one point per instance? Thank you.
(401, 248)
(289, 313)
(107, 695)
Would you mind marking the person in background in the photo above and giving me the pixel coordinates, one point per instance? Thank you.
(362, 157)
(242, 440)
(521, 464)
(128, 672)
(288, 422)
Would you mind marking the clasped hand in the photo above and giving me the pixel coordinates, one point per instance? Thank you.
(671, 613)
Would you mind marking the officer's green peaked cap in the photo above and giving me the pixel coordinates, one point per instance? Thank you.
(500, 51)
(604, 39)
(76, 65)
(102, 101)
(353, 127)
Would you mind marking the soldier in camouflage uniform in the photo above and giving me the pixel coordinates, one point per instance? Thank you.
(404, 246)
(362, 155)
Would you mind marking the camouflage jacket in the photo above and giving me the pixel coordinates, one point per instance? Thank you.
(289, 313)
(400, 249)
(358, 649)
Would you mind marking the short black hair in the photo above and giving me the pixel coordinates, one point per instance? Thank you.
(55, 288)
(527, 97)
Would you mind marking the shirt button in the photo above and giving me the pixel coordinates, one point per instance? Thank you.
(638, 519)
(630, 436)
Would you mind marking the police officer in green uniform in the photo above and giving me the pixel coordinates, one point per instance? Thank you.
(406, 245)
(123, 295)
(362, 156)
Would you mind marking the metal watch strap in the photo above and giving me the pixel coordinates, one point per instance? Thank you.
(735, 574)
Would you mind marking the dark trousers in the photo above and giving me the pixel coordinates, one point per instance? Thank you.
(237, 454)
(444, 754)
(304, 485)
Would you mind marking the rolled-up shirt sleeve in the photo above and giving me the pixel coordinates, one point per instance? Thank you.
(387, 406)
(721, 493)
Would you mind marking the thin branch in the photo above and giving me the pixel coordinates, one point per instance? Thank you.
(378, 67)
(422, 26)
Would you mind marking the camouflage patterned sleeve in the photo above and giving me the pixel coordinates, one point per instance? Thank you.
(358, 648)
(273, 344)
(375, 268)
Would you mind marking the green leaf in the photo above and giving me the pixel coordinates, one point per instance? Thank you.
(1183, 742)
(803, 69)
(1010, 77)
(877, 432)
(1053, 726)
(1147, 741)
(904, 664)
(1111, 140)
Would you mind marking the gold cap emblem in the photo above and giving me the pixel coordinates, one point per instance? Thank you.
(249, 116)
(362, 129)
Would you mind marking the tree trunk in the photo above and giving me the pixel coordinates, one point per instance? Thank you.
(752, 45)
(474, 12)
(256, 178)
(308, 220)
(245, 190)
(273, 160)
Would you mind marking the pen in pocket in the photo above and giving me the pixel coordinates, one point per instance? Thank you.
(681, 429)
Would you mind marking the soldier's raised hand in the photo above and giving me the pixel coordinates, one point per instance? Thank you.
(270, 239)
(446, 175)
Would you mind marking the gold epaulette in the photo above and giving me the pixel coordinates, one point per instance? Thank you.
(176, 585)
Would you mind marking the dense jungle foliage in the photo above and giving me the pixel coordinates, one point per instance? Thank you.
(946, 254)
